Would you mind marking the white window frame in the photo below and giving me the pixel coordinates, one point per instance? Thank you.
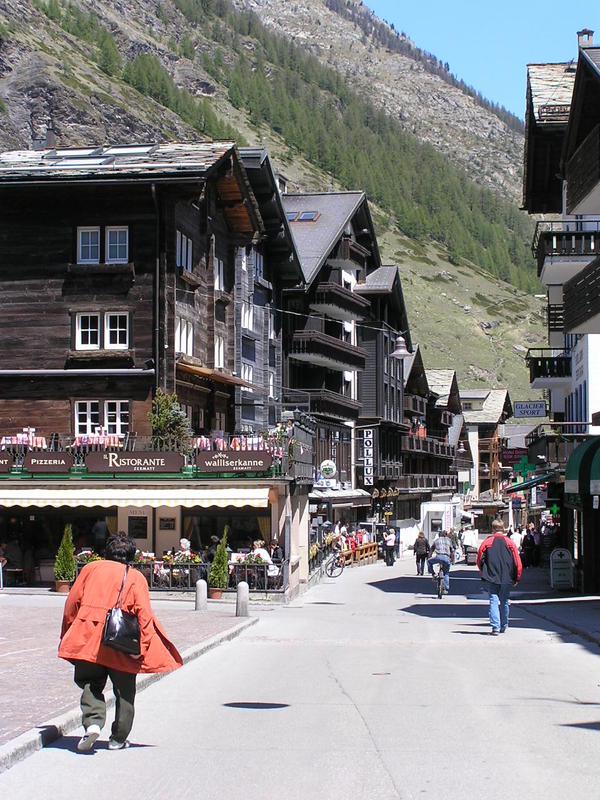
(271, 383)
(219, 274)
(89, 428)
(78, 330)
(80, 231)
(243, 259)
(219, 351)
(118, 427)
(178, 238)
(247, 375)
(247, 316)
(259, 265)
(116, 229)
(184, 336)
(107, 342)
(272, 335)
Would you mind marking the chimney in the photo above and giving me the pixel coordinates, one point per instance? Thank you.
(585, 38)
(46, 142)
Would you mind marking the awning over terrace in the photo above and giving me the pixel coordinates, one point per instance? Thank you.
(91, 497)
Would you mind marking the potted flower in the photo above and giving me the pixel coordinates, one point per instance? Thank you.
(64, 563)
(218, 574)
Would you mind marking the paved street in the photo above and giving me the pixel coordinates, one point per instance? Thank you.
(366, 687)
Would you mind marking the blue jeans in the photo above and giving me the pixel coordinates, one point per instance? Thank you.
(499, 594)
(445, 564)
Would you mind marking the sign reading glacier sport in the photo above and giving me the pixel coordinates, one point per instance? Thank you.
(529, 408)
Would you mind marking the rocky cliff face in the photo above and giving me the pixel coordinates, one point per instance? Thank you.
(436, 112)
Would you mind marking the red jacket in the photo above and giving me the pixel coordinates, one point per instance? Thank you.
(498, 560)
(93, 593)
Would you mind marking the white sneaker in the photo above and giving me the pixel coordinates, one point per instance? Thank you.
(114, 744)
(88, 739)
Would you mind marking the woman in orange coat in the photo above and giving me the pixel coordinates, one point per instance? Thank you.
(95, 592)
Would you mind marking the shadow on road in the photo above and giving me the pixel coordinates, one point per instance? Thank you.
(70, 743)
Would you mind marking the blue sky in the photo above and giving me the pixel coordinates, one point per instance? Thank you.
(488, 44)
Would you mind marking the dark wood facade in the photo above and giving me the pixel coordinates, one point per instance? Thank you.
(114, 285)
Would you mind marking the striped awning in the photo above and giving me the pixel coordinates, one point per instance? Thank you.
(138, 497)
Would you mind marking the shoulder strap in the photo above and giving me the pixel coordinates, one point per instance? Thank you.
(120, 597)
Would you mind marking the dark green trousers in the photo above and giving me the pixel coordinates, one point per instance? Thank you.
(91, 679)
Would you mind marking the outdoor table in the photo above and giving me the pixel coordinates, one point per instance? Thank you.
(99, 440)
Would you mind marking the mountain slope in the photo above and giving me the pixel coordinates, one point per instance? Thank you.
(61, 66)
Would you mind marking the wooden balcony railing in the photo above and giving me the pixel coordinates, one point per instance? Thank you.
(561, 238)
(543, 363)
(582, 297)
(407, 482)
(418, 444)
(414, 404)
(339, 302)
(320, 349)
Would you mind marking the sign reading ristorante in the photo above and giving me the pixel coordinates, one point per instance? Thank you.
(6, 462)
(233, 461)
(48, 462)
(149, 461)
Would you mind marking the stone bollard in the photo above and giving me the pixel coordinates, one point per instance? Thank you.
(201, 593)
(243, 595)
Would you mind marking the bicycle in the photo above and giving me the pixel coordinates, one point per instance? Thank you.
(438, 577)
(335, 565)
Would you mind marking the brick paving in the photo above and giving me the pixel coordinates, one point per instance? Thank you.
(36, 686)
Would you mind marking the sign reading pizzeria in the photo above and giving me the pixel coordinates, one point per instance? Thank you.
(6, 462)
(149, 461)
(48, 462)
(233, 461)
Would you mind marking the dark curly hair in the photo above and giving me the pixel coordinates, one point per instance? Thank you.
(120, 547)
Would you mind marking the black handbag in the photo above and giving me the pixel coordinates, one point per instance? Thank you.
(122, 629)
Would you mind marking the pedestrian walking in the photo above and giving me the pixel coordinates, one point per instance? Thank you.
(500, 566)
(93, 594)
(528, 548)
(537, 544)
(390, 544)
(421, 549)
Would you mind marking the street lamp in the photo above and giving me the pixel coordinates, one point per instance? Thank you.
(400, 350)
(461, 450)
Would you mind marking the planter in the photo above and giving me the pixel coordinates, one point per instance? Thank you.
(62, 587)
(214, 593)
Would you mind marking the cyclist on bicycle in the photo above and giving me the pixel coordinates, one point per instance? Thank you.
(443, 554)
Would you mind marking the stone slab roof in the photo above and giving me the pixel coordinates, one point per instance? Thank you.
(496, 405)
(551, 91)
(380, 281)
(115, 161)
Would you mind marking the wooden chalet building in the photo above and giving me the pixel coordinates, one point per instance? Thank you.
(563, 179)
(128, 269)
(337, 248)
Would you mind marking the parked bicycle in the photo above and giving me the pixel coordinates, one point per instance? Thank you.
(335, 565)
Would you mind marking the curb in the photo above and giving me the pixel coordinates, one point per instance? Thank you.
(581, 632)
(36, 738)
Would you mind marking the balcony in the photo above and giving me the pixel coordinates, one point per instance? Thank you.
(413, 482)
(336, 302)
(562, 249)
(553, 443)
(321, 350)
(413, 404)
(333, 404)
(582, 300)
(546, 370)
(583, 176)
(427, 446)
(350, 256)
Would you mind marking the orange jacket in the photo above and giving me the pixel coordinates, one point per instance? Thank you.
(96, 591)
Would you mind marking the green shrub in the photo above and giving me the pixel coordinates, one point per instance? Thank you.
(218, 573)
(64, 563)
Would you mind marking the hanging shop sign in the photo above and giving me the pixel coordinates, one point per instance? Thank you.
(233, 461)
(6, 462)
(149, 461)
(368, 450)
(48, 462)
(512, 455)
(529, 408)
(328, 469)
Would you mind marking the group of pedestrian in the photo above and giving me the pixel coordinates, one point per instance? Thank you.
(528, 541)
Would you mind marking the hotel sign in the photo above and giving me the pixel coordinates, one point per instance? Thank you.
(6, 462)
(149, 461)
(368, 451)
(48, 462)
(233, 461)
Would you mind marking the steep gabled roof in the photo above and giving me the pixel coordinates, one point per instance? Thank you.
(496, 406)
(415, 377)
(316, 238)
(380, 281)
(443, 383)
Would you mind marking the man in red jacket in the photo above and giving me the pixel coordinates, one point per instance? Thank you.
(500, 566)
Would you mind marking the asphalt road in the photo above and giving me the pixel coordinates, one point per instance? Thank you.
(367, 687)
